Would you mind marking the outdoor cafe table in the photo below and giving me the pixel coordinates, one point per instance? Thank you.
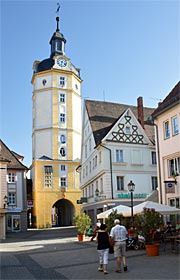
(173, 239)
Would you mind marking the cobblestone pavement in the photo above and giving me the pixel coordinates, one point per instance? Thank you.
(56, 254)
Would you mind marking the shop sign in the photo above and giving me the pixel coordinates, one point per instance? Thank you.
(136, 195)
(30, 203)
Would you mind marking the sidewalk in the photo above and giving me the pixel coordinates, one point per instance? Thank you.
(52, 255)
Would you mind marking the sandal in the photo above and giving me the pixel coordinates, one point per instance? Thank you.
(118, 271)
(100, 269)
(105, 272)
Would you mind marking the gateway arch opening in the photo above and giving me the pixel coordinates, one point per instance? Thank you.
(62, 213)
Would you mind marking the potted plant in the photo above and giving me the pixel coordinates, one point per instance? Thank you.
(147, 224)
(82, 222)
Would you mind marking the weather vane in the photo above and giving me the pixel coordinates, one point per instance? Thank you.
(58, 8)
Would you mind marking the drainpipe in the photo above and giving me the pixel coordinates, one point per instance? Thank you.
(112, 196)
(158, 157)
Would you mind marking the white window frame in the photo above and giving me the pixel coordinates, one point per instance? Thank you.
(48, 176)
(62, 152)
(63, 182)
(175, 129)
(119, 155)
(62, 97)
(11, 177)
(12, 198)
(153, 157)
(120, 183)
(154, 182)
(166, 130)
(62, 81)
(62, 117)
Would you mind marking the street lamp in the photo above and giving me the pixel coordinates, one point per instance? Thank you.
(5, 201)
(131, 188)
(97, 192)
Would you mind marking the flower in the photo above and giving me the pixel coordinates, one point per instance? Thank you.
(147, 223)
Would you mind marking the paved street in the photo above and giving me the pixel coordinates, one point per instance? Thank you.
(56, 254)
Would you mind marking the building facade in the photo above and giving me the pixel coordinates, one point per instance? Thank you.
(13, 198)
(167, 123)
(117, 147)
(56, 137)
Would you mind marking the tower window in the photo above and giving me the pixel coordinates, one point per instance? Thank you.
(62, 117)
(48, 176)
(63, 167)
(62, 81)
(62, 152)
(63, 182)
(63, 139)
(62, 97)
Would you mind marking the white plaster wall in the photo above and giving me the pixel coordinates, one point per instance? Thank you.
(43, 144)
(168, 149)
(19, 189)
(172, 144)
(76, 113)
(43, 109)
(38, 82)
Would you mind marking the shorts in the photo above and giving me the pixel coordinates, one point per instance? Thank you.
(119, 248)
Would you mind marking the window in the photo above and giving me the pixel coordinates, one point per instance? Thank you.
(153, 158)
(90, 144)
(85, 151)
(12, 198)
(86, 170)
(128, 130)
(120, 183)
(62, 117)
(101, 185)
(62, 97)
(63, 139)
(90, 167)
(63, 182)
(166, 130)
(62, 81)
(175, 126)
(174, 166)
(62, 152)
(48, 176)
(95, 161)
(100, 157)
(63, 167)
(154, 183)
(119, 155)
(11, 177)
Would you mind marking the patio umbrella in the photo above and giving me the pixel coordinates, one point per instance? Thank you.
(161, 208)
(121, 209)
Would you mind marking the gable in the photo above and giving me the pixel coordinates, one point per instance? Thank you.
(127, 130)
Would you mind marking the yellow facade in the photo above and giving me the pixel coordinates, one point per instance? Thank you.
(54, 206)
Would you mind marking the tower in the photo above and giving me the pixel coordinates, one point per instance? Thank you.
(56, 136)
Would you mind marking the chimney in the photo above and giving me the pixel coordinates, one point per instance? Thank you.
(140, 111)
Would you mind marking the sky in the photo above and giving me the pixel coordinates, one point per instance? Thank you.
(125, 49)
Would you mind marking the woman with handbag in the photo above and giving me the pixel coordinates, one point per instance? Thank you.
(102, 238)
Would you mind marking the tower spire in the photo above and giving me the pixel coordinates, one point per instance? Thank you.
(57, 41)
(57, 18)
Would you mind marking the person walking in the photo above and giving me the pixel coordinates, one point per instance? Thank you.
(118, 236)
(102, 238)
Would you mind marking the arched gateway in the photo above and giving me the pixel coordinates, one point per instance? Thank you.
(62, 213)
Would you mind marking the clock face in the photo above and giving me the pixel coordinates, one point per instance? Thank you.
(62, 62)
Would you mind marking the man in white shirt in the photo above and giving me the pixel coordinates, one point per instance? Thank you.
(119, 235)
